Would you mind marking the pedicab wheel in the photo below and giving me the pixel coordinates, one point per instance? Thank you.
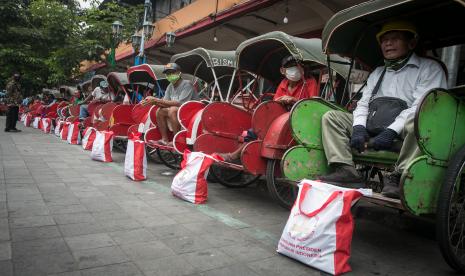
(450, 217)
(120, 145)
(152, 155)
(232, 178)
(170, 158)
(283, 192)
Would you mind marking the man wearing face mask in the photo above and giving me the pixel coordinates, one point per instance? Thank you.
(178, 92)
(292, 88)
(385, 112)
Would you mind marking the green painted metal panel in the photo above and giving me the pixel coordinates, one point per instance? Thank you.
(375, 157)
(420, 185)
(458, 139)
(300, 162)
(435, 124)
(306, 121)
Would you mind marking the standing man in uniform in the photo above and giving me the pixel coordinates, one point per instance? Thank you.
(13, 100)
(178, 92)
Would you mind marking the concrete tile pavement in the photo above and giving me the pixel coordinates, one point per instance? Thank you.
(64, 214)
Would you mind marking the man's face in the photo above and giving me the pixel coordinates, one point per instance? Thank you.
(395, 44)
(17, 77)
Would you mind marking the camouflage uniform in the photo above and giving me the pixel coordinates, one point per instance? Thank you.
(13, 99)
(13, 93)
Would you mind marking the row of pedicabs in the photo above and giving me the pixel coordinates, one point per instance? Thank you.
(234, 86)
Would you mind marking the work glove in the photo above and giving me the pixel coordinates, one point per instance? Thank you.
(384, 140)
(359, 137)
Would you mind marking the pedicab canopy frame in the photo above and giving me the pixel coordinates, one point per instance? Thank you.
(85, 86)
(95, 81)
(263, 54)
(352, 32)
(118, 80)
(208, 65)
(148, 75)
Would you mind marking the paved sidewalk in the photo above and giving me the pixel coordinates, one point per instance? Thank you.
(64, 214)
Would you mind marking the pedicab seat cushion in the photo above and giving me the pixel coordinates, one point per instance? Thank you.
(387, 157)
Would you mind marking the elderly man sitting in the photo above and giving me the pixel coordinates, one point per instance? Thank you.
(386, 110)
(178, 92)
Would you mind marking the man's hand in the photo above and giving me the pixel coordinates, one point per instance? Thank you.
(149, 100)
(384, 140)
(286, 100)
(359, 137)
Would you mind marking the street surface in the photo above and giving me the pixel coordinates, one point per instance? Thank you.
(63, 214)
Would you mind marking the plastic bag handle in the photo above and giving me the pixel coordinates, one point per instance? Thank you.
(306, 187)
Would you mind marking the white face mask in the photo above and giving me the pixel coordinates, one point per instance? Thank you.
(293, 73)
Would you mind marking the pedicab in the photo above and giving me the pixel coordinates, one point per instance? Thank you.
(432, 185)
(94, 107)
(224, 123)
(214, 69)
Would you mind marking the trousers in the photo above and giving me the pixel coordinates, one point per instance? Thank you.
(337, 130)
(11, 117)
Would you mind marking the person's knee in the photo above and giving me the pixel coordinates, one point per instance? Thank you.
(173, 111)
(162, 112)
(330, 117)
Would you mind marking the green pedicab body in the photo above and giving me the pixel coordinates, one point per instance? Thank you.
(438, 132)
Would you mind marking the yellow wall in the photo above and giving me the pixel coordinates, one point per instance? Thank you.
(178, 20)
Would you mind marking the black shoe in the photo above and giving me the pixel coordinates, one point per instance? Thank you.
(391, 185)
(344, 176)
(15, 130)
(7, 130)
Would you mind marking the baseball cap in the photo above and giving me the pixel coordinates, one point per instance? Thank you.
(171, 67)
(104, 84)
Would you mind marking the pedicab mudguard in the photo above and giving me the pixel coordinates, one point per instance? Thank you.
(107, 110)
(278, 138)
(152, 135)
(420, 184)
(195, 127)
(187, 111)
(93, 108)
(153, 115)
(251, 159)
(209, 143)
(122, 115)
(140, 113)
(306, 120)
(87, 122)
(73, 110)
(120, 130)
(264, 116)
(224, 119)
(179, 141)
(300, 162)
(101, 125)
(440, 140)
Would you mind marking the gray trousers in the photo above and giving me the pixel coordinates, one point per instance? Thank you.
(336, 133)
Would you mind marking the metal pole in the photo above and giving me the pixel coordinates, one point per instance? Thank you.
(231, 85)
(451, 57)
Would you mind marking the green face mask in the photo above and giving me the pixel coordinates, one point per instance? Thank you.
(172, 78)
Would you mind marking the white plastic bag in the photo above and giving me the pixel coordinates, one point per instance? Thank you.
(190, 183)
(102, 147)
(135, 162)
(319, 229)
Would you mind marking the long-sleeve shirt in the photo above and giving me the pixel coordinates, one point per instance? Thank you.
(303, 90)
(409, 83)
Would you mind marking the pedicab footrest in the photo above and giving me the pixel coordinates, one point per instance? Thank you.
(155, 145)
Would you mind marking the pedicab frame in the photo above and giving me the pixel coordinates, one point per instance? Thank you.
(205, 66)
(431, 185)
(260, 56)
